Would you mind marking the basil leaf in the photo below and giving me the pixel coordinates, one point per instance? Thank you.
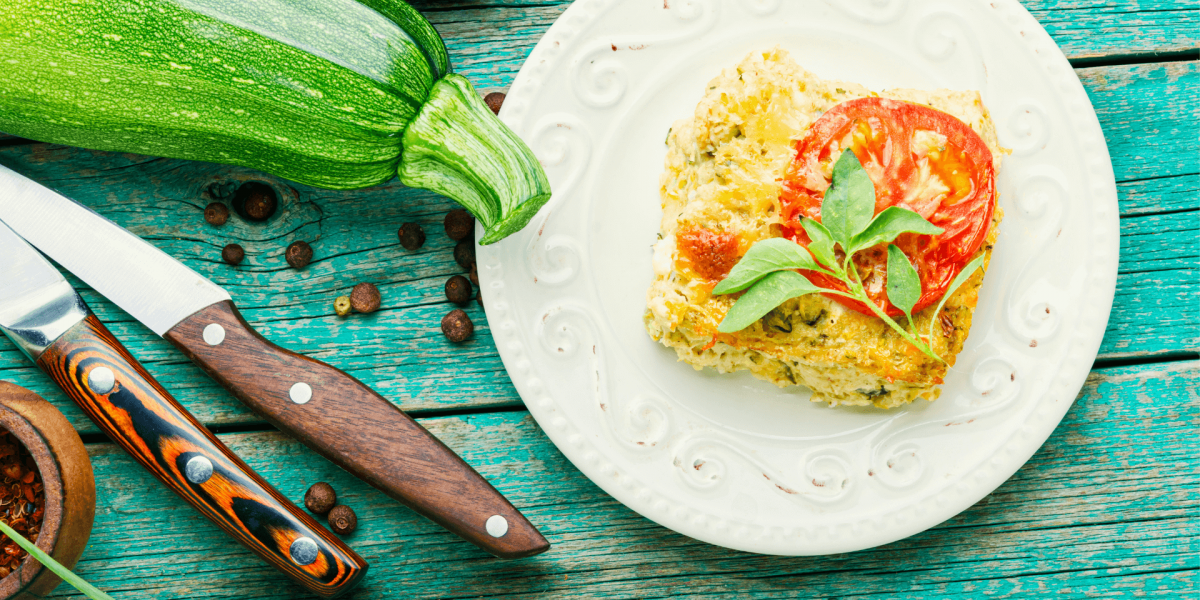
(890, 223)
(763, 297)
(822, 243)
(962, 278)
(903, 283)
(763, 258)
(850, 201)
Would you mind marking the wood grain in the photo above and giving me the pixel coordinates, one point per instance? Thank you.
(1105, 509)
(355, 428)
(144, 420)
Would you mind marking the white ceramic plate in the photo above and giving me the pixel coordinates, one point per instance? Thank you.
(729, 459)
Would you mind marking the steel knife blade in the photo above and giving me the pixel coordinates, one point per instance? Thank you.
(50, 323)
(329, 411)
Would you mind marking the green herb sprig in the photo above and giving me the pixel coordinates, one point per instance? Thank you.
(768, 270)
(64, 573)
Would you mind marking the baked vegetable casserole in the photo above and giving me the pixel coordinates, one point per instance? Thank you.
(755, 163)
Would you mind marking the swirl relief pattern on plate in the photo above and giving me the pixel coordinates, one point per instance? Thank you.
(569, 333)
(600, 77)
(563, 144)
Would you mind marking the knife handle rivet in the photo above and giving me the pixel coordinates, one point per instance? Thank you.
(101, 380)
(300, 393)
(497, 526)
(214, 334)
(198, 469)
(304, 551)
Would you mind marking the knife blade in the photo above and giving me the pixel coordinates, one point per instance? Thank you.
(327, 410)
(50, 323)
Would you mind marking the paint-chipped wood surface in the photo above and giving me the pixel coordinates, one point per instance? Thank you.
(1107, 508)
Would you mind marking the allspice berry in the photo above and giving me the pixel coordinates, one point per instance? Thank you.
(341, 306)
(233, 254)
(342, 520)
(255, 201)
(474, 274)
(494, 101)
(459, 224)
(320, 498)
(457, 326)
(458, 290)
(365, 298)
(299, 254)
(464, 254)
(216, 214)
(412, 236)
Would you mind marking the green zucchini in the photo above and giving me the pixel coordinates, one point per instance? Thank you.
(339, 94)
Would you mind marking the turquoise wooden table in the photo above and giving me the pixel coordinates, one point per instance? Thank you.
(1107, 508)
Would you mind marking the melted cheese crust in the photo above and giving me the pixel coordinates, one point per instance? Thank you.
(723, 173)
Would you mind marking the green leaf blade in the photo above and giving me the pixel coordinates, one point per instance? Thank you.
(962, 278)
(57, 568)
(821, 245)
(763, 258)
(763, 297)
(889, 224)
(849, 202)
(903, 282)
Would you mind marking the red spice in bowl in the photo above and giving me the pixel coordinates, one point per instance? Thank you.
(22, 499)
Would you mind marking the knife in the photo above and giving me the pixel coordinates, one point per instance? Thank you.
(326, 409)
(48, 321)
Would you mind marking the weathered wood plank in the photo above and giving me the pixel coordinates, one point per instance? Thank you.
(1154, 313)
(1106, 508)
(1152, 132)
(1161, 242)
(1084, 29)
(400, 350)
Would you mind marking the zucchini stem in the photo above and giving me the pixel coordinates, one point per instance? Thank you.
(458, 148)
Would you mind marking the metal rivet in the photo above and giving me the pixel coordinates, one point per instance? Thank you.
(304, 551)
(497, 526)
(198, 469)
(102, 380)
(214, 334)
(300, 393)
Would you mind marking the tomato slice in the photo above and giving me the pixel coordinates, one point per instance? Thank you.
(918, 158)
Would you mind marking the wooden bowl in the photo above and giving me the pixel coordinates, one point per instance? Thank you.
(68, 483)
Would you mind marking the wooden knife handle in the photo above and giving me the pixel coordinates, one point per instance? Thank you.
(356, 428)
(99, 374)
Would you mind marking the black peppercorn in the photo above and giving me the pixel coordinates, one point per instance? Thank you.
(342, 520)
(459, 224)
(255, 201)
(320, 498)
(464, 254)
(457, 326)
(494, 101)
(365, 298)
(233, 254)
(458, 290)
(216, 214)
(299, 254)
(412, 236)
